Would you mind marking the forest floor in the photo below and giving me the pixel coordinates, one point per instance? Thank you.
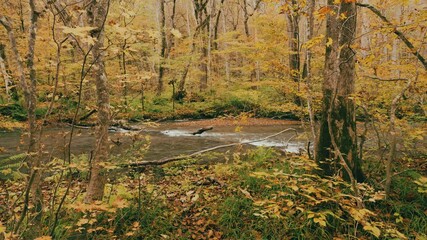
(256, 194)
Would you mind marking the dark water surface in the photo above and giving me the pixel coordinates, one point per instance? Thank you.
(166, 139)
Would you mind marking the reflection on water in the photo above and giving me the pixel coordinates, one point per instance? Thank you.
(166, 140)
(247, 136)
(293, 147)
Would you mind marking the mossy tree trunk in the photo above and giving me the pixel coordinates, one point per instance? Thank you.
(338, 119)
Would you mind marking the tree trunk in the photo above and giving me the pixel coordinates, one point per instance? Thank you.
(203, 20)
(181, 83)
(246, 18)
(124, 69)
(173, 26)
(338, 85)
(29, 90)
(20, 65)
(306, 73)
(10, 88)
(97, 12)
(218, 16)
(393, 138)
(162, 47)
(364, 33)
(294, 56)
(203, 66)
(227, 57)
(35, 161)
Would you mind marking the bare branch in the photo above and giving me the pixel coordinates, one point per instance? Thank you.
(399, 34)
(386, 79)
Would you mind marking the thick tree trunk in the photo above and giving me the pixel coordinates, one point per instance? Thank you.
(97, 13)
(338, 85)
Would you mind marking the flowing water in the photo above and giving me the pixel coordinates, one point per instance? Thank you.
(167, 139)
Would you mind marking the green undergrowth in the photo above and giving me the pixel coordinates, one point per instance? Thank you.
(208, 107)
(11, 167)
(255, 194)
(162, 108)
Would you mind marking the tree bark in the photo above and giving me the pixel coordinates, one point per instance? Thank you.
(203, 19)
(163, 47)
(364, 33)
(97, 12)
(173, 26)
(35, 161)
(226, 57)
(294, 56)
(10, 88)
(338, 86)
(246, 18)
(124, 67)
(307, 74)
(218, 16)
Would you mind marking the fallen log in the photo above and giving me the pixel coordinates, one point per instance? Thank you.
(112, 128)
(88, 115)
(202, 130)
(81, 126)
(195, 154)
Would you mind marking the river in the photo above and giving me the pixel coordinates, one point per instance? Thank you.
(166, 139)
